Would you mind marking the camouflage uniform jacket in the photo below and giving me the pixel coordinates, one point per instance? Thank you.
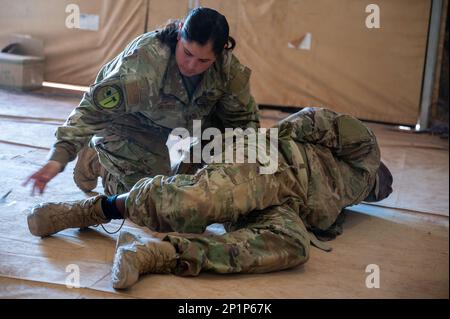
(140, 96)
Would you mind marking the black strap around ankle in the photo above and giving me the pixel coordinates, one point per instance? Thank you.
(110, 209)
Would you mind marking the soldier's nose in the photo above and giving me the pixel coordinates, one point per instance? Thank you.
(191, 65)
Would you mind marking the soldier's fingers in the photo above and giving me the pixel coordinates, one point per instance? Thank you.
(36, 186)
(41, 186)
(25, 183)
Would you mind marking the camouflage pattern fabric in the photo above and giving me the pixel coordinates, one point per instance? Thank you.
(262, 241)
(343, 157)
(139, 97)
(327, 161)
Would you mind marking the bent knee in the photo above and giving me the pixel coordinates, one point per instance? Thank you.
(302, 256)
(294, 251)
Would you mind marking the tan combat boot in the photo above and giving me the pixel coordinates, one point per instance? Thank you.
(136, 255)
(49, 218)
(87, 169)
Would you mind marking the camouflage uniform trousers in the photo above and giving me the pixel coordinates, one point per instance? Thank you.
(121, 164)
(267, 216)
(134, 164)
(122, 154)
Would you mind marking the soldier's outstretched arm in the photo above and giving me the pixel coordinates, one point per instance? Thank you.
(108, 97)
(115, 91)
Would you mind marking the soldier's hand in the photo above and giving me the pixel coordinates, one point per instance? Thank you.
(43, 176)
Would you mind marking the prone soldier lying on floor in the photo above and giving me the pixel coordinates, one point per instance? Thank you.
(326, 162)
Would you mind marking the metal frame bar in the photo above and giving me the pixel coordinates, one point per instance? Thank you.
(430, 65)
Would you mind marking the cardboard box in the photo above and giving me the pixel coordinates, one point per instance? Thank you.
(23, 68)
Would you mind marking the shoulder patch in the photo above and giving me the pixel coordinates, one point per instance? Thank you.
(108, 96)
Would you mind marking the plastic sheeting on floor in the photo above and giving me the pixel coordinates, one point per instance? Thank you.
(410, 248)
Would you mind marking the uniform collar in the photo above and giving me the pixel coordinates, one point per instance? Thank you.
(173, 83)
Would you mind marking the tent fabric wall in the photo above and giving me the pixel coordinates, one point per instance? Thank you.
(160, 11)
(74, 56)
(373, 74)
